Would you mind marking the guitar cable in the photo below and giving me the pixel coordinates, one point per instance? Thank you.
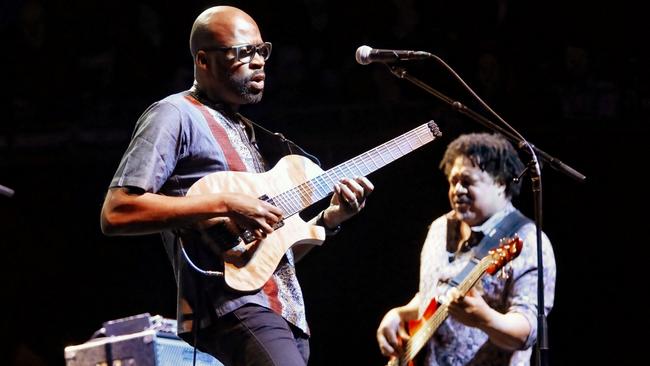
(289, 143)
(194, 266)
(284, 140)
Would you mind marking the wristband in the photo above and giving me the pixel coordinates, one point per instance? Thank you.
(321, 222)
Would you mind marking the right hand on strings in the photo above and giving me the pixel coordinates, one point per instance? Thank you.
(253, 214)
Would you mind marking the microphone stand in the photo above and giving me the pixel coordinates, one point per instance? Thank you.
(533, 167)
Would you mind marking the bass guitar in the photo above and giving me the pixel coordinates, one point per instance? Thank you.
(294, 184)
(422, 329)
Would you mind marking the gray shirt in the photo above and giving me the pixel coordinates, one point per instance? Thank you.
(171, 148)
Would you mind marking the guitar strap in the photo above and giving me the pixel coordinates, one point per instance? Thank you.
(507, 227)
(232, 158)
(234, 162)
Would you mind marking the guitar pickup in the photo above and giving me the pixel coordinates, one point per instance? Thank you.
(248, 236)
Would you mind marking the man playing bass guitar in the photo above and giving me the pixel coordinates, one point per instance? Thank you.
(494, 323)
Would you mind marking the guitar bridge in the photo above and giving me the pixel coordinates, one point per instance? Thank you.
(248, 236)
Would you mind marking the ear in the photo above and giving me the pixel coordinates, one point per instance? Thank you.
(502, 190)
(201, 59)
(499, 186)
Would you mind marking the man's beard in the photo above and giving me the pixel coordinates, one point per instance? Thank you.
(246, 93)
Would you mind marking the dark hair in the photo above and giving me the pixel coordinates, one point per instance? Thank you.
(492, 153)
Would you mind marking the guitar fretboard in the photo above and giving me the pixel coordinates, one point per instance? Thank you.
(415, 344)
(315, 189)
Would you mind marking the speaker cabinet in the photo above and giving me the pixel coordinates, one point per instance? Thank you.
(146, 348)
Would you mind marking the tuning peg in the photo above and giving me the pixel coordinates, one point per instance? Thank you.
(503, 274)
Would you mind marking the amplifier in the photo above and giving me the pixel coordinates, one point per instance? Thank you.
(145, 348)
(148, 347)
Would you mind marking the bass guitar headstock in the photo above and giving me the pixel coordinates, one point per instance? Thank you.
(508, 249)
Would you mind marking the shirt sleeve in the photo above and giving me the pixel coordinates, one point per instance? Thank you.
(153, 151)
(522, 297)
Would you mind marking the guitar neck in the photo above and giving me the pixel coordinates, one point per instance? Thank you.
(430, 325)
(312, 191)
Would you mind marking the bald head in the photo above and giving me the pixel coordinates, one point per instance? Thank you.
(219, 74)
(220, 26)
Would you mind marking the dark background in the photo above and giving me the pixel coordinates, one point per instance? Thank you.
(571, 76)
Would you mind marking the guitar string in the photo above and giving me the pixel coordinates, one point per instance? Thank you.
(502, 254)
(351, 168)
(353, 163)
(415, 344)
(289, 200)
(306, 192)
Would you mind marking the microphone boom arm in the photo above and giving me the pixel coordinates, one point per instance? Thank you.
(555, 163)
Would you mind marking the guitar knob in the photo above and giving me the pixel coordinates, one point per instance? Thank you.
(248, 236)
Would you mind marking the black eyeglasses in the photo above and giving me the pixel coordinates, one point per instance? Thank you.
(246, 52)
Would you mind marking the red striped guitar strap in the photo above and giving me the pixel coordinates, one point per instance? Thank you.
(235, 163)
(232, 157)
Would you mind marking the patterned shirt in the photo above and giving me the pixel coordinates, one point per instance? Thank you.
(171, 148)
(455, 344)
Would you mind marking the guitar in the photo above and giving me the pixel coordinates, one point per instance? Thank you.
(422, 329)
(294, 184)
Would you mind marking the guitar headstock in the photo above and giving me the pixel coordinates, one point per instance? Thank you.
(508, 249)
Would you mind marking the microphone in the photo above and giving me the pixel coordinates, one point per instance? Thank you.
(366, 55)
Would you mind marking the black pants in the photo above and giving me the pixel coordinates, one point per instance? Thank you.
(255, 336)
